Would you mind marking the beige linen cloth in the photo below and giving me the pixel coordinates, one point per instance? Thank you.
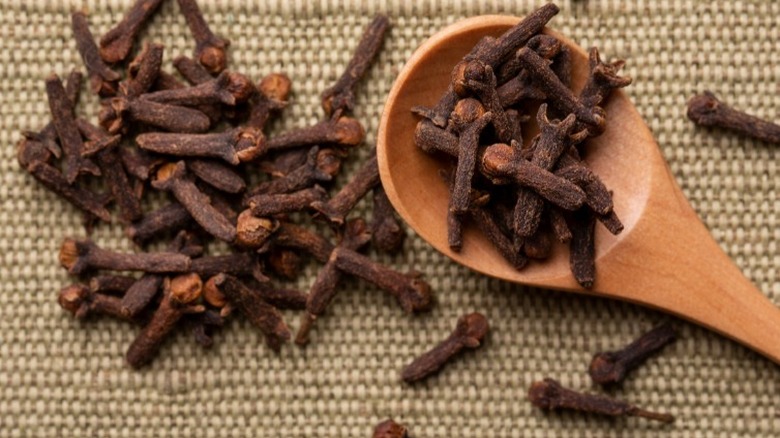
(61, 377)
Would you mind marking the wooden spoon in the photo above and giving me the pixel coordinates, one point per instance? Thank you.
(665, 258)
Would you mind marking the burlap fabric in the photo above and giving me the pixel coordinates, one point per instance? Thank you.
(60, 377)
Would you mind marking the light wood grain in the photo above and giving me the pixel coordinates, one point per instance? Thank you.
(665, 258)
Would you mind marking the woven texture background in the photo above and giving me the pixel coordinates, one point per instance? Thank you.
(60, 377)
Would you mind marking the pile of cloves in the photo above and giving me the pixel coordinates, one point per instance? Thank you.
(199, 136)
(522, 195)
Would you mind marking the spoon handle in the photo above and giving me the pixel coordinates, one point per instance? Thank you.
(671, 262)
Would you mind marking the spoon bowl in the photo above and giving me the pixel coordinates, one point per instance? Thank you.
(665, 258)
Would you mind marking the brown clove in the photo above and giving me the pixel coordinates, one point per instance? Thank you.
(78, 256)
(81, 301)
(233, 146)
(344, 131)
(612, 366)
(706, 110)
(469, 332)
(117, 114)
(387, 233)
(102, 80)
(209, 48)
(116, 44)
(217, 175)
(270, 205)
(548, 394)
(336, 208)
(228, 88)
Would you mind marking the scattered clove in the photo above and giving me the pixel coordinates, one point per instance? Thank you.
(270, 205)
(143, 71)
(232, 146)
(411, 291)
(269, 98)
(78, 256)
(706, 110)
(114, 284)
(117, 115)
(169, 217)
(548, 394)
(173, 177)
(387, 233)
(217, 175)
(178, 300)
(228, 88)
(102, 80)
(469, 332)
(344, 131)
(320, 166)
(612, 366)
(209, 48)
(116, 44)
(81, 301)
(261, 314)
(340, 98)
(390, 429)
(336, 208)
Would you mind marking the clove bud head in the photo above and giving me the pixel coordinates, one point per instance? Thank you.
(185, 289)
(466, 111)
(214, 57)
(72, 254)
(73, 299)
(703, 109)
(494, 159)
(240, 86)
(328, 164)
(544, 393)
(471, 329)
(275, 86)
(168, 173)
(253, 232)
(349, 132)
(250, 144)
(212, 294)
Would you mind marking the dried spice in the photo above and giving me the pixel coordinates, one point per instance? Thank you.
(157, 129)
(340, 98)
(261, 314)
(469, 332)
(102, 80)
(527, 195)
(706, 110)
(116, 44)
(209, 48)
(390, 429)
(548, 394)
(612, 366)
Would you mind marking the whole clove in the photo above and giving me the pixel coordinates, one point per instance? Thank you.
(117, 115)
(178, 300)
(81, 301)
(233, 146)
(336, 208)
(191, 70)
(270, 205)
(173, 177)
(217, 175)
(64, 121)
(169, 217)
(340, 98)
(228, 88)
(612, 366)
(143, 71)
(469, 332)
(548, 394)
(209, 48)
(706, 110)
(320, 166)
(296, 237)
(261, 314)
(116, 44)
(78, 256)
(114, 284)
(102, 80)
(390, 429)
(269, 98)
(356, 235)
(344, 131)
(387, 233)
(236, 264)
(410, 290)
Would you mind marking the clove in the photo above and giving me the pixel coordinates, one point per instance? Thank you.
(142, 71)
(78, 256)
(102, 80)
(117, 114)
(411, 291)
(115, 284)
(234, 145)
(356, 235)
(261, 314)
(469, 332)
(387, 233)
(209, 48)
(340, 98)
(582, 253)
(706, 110)
(169, 217)
(612, 366)
(345, 132)
(390, 429)
(252, 231)
(320, 166)
(336, 208)
(498, 164)
(296, 237)
(64, 121)
(179, 296)
(173, 177)
(228, 88)
(548, 394)
(270, 97)
(217, 175)
(602, 79)
(79, 300)
(270, 205)
(236, 264)
(116, 44)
